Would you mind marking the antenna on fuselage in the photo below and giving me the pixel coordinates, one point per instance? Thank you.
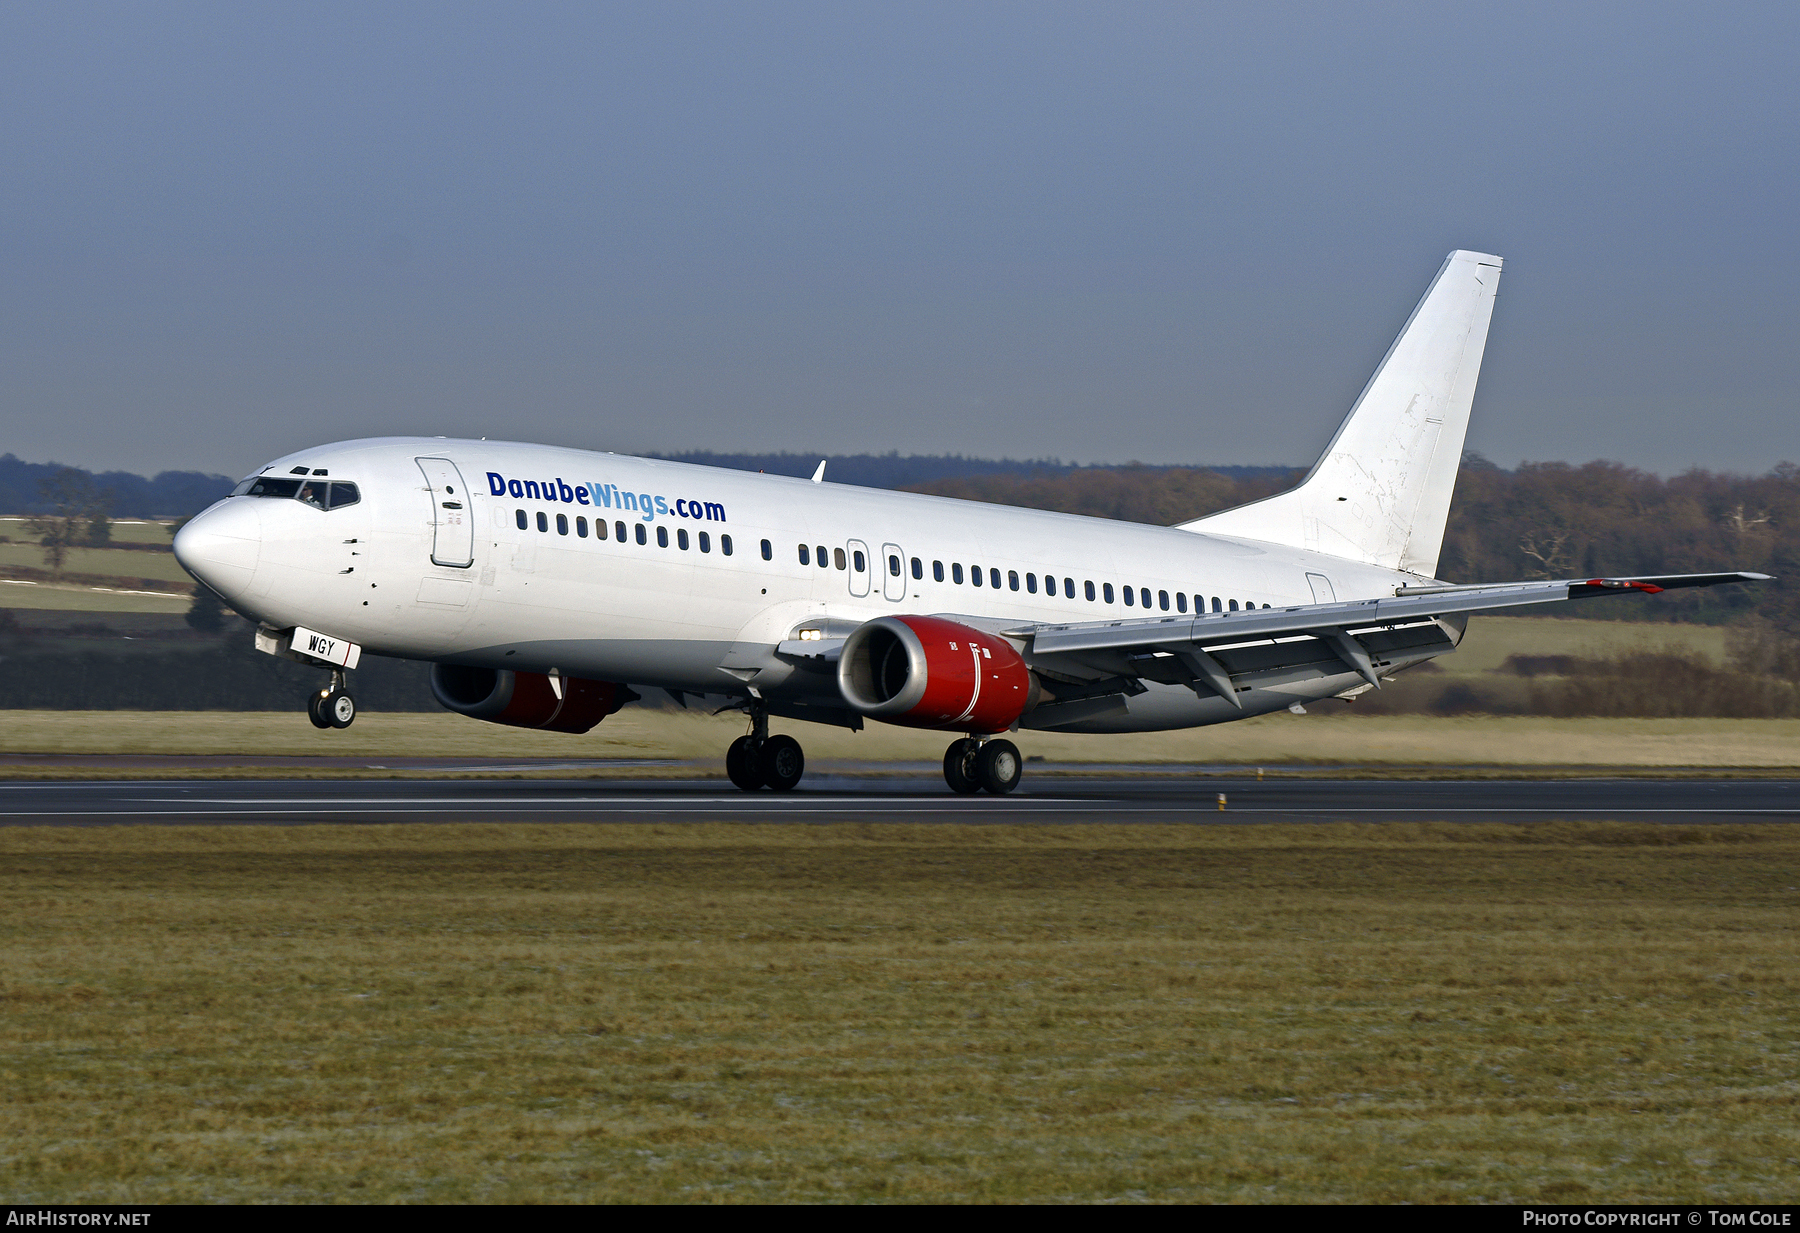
(819, 475)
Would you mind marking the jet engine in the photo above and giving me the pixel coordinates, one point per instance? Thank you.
(526, 699)
(926, 672)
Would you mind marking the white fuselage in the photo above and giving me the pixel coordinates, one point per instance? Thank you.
(694, 618)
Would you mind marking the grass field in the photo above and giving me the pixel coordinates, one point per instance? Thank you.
(1342, 739)
(124, 530)
(105, 562)
(67, 597)
(1426, 1013)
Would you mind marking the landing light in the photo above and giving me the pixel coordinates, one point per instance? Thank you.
(812, 635)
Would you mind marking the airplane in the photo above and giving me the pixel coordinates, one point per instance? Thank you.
(547, 586)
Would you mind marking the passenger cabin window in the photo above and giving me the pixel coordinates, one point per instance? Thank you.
(562, 524)
(1089, 586)
(918, 570)
(705, 542)
(1162, 600)
(642, 537)
(662, 537)
(1215, 604)
(1234, 606)
(725, 544)
(581, 527)
(1030, 583)
(837, 555)
(1180, 602)
(681, 538)
(1129, 597)
(975, 575)
(893, 566)
(994, 579)
(825, 558)
(805, 556)
(1108, 590)
(522, 520)
(1069, 589)
(861, 562)
(768, 550)
(956, 572)
(619, 531)
(937, 571)
(599, 528)
(1145, 593)
(543, 522)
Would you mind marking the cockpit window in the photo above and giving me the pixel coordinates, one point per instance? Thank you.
(320, 494)
(264, 486)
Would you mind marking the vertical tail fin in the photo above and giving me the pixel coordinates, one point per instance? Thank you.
(1381, 492)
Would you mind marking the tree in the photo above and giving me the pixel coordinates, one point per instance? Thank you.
(75, 505)
(206, 613)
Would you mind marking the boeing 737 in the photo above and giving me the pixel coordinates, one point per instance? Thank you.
(547, 586)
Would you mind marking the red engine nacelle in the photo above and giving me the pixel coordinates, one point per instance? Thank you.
(526, 699)
(926, 672)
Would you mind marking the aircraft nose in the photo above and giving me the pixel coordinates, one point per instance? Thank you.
(220, 546)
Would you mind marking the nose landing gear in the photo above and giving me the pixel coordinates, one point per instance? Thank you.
(333, 706)
(763, 761)
(972, 765)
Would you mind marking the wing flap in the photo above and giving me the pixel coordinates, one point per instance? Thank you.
(1412, 606)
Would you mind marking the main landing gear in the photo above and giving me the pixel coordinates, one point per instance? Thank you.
(763, 761)
(333, 706)
(973, 764)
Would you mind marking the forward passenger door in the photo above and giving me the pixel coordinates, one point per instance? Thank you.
(453, 531)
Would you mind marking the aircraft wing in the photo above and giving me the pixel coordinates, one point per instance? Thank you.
(1216, 651)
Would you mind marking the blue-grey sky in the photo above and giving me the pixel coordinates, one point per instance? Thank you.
(1175, 233)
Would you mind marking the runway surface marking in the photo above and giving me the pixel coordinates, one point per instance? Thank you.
(287, 801)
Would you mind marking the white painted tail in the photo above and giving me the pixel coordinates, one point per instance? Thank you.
(1381, 492)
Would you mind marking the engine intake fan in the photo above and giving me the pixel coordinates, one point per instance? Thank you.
(927, 672)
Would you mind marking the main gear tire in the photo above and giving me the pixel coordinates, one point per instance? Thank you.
(959, 766)
(998, 767)
(780, 763)
(740, 764)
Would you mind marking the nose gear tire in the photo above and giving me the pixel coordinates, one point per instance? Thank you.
(340, 710)
(315, 710)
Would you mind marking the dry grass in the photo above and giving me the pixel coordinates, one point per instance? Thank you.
(738, 1013)
(1491, 639)
(109, 562)
(69, 597)
(1343, 738)
(124, 530)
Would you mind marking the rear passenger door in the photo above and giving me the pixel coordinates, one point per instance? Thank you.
(859, 567)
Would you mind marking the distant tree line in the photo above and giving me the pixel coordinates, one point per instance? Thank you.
(93, 672)
(171, 494)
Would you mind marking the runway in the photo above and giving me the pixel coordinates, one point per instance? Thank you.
(1135, 799)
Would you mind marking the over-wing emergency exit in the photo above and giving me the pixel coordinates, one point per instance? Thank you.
(549, 586)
